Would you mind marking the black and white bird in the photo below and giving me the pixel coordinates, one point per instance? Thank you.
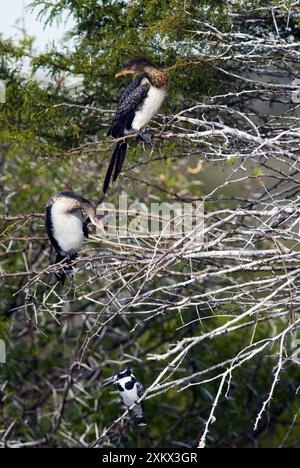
(140, 101)
(130, 391)
(66, 225)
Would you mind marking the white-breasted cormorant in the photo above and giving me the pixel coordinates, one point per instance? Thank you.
(140, 101)
(66, 225)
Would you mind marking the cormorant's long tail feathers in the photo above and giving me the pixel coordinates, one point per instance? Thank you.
(120, 159)
(116, 163)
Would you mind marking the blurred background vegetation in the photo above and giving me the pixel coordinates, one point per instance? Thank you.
(53, 137)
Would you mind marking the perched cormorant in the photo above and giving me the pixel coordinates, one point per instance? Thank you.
(138, 104)
(66, 226)
(130, 391)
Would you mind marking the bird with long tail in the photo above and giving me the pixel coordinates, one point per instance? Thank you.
(141, 100)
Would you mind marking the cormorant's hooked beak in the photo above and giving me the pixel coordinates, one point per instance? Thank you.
(109, 381)
(124, 72)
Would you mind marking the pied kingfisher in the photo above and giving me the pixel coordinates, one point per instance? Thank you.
(130, 391)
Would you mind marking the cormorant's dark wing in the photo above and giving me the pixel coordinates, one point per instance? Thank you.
(130, 88)
(49, 228)
(126, 109)
(132, 102)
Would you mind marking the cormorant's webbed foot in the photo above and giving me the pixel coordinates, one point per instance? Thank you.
(146, 138)
(71, 256)
(132, 131)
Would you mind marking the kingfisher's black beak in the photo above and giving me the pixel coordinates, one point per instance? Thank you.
(109, 381)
